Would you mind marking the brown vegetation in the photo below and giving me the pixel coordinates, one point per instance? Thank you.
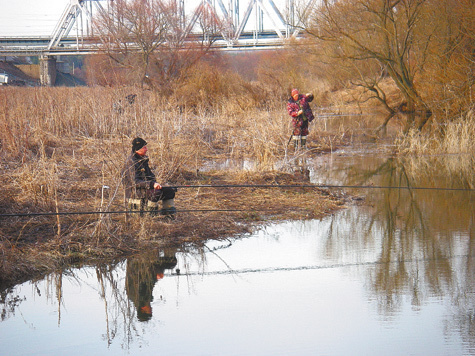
(145, 40)
(407, 66)
(426, 47)
(62, 150)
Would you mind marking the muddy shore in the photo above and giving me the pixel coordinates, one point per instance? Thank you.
(64, 149)
(38, 245)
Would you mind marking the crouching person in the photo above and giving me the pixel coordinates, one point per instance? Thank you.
(142, 192)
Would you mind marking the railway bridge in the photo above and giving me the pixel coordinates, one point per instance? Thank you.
(259, 24)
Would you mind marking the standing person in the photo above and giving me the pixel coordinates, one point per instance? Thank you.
(141, 188)
(299, 108)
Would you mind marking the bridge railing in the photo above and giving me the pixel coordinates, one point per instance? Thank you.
(80, 14)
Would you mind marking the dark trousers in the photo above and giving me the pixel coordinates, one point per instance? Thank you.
(161, 194)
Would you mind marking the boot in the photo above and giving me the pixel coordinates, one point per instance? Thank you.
(303, 142)
(296, 142)
(168, 208)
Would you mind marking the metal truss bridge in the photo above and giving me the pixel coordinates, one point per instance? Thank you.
(259, 24)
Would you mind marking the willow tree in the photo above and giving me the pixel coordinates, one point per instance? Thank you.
(450, 73)
(148, 38)
(390, 35)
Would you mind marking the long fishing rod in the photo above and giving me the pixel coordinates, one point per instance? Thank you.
(120, 212)
(317, 186)
(267, 186)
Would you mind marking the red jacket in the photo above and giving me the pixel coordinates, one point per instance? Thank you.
(300, 122)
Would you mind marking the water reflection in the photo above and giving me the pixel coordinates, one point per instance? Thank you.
(142, 272)
(424, 238)
(393, 276)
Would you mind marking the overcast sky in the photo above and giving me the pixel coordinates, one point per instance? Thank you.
(30, 17)
(39, 17)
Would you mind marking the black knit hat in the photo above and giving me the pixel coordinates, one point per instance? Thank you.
(138, 143)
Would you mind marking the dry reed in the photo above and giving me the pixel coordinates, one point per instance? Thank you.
(451, 145)
(62, 150)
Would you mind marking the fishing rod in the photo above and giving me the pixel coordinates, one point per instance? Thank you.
(288, 186)
(267, 186)
(120, 212)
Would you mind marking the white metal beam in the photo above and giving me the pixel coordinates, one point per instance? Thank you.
(230, 15)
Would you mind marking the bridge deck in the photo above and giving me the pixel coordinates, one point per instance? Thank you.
(35, 46)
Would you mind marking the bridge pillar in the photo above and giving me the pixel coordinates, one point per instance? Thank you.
(47, 71)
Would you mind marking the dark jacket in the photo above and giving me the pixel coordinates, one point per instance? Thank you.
(137, 176)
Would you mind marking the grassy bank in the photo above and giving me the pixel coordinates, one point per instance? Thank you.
(62, 150)
(450, 144)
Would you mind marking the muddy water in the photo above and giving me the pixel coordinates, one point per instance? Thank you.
(392, 276)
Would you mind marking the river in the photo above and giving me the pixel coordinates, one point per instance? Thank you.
(391, 275)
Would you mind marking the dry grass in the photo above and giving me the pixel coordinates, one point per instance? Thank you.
(61, 147)
(445, 142)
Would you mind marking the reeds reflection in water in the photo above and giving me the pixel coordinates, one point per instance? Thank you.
(396, 273)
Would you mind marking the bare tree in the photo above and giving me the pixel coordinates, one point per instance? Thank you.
(394, 34)
(450, 73)
(148, 38)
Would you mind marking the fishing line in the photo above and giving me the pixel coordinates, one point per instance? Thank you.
(318, 267)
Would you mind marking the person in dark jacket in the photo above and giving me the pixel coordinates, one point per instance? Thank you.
(141, 188)
(299, 109)
(142, 273)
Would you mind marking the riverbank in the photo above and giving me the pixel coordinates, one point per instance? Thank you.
(62, 151)
(390, 248)
(35, 245)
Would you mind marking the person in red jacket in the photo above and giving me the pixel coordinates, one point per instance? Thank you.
(301, 113)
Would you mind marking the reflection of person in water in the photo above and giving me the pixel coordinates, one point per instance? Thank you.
(142, 274)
